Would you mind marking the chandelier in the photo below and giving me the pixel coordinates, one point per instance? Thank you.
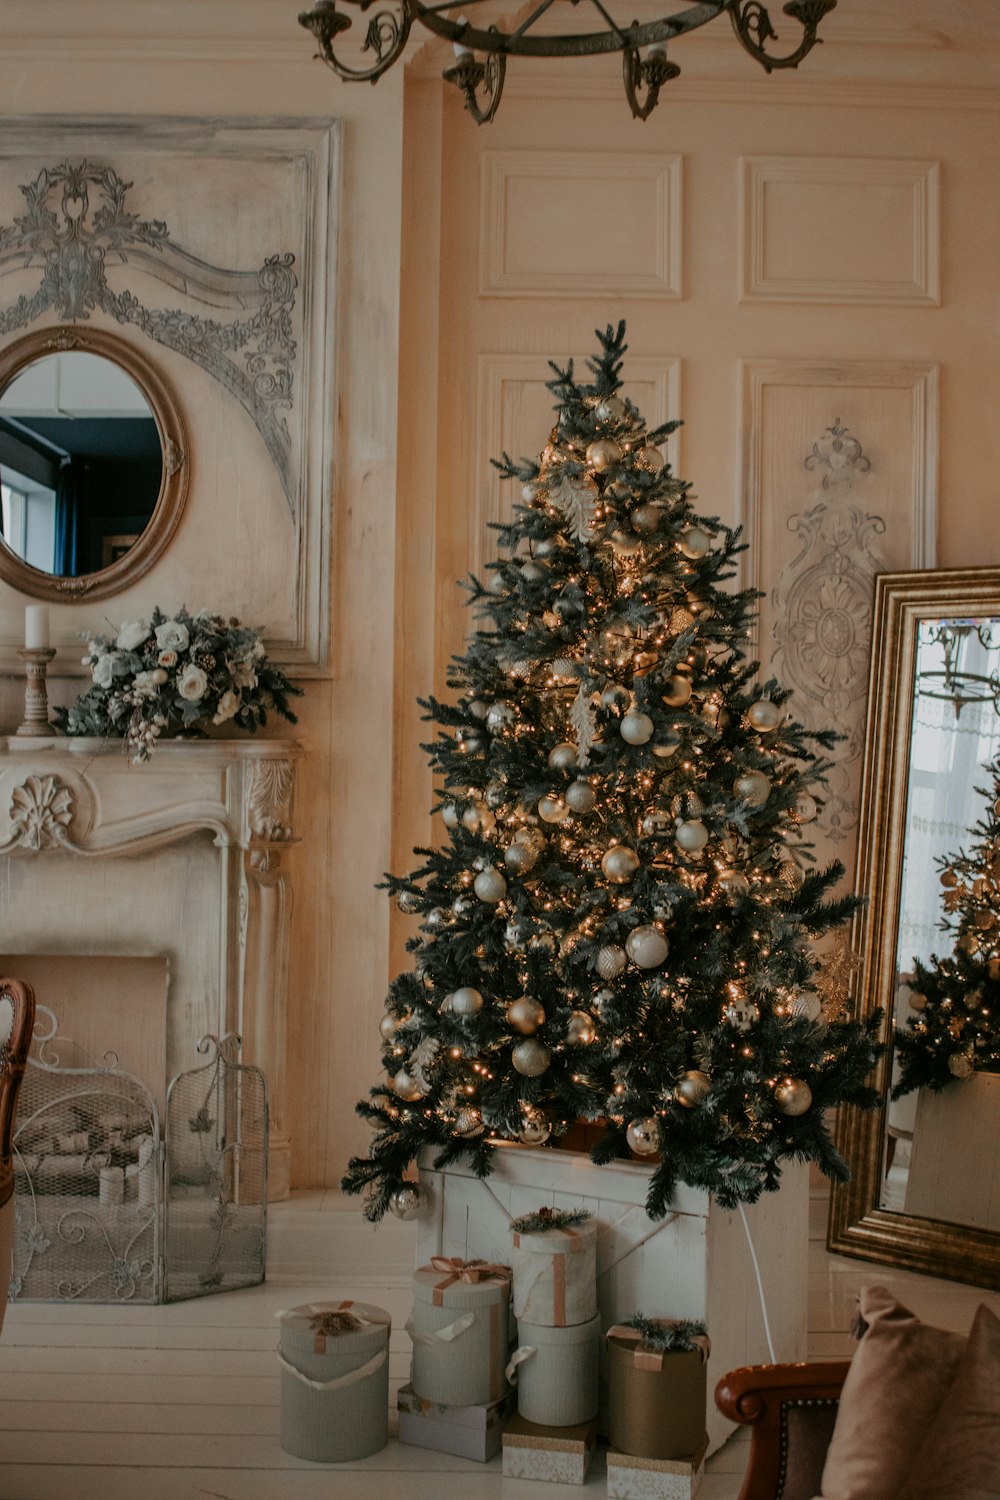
(481, 52)
(954, 683)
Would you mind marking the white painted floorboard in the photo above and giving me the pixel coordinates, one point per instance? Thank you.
(181, 1402)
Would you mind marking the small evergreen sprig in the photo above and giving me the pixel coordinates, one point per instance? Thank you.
(550, 1218)
(668, 1337)
(173, 673)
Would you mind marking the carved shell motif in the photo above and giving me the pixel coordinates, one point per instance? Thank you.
(269, 800)
(41, 809)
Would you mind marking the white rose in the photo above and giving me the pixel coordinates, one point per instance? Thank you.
(103, 670)
(192, 684)
(172, 636)
(167, 658)
(131, 634)
(228, 704)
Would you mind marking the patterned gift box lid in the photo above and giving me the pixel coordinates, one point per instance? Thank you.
(355, 1327)
(557, 1240)
(450, 1281)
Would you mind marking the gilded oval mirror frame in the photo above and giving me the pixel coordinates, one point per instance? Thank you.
(166, 513)
(858, 1225)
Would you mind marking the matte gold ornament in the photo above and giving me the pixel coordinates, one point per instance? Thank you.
(603, 454)
(490, 886)
(753, 787)
(624, 543)
(793, 1096)
(647, 947)
(643, 1136)
(691, 835)
(581, 797)
(468, 1123)
(636, 728)
(677, 691)
(531, 1057)
(949, 879)
(520, 858)
(692, 1088)
(695, 542)
(580, 1028)
(916, 1000)
(478, 709)
(407, 1087)
(500, 716)
(615, 696)
(535, 1129)
(667, 745)
(562, 757)
(552, 808)
(620, 863)
(764, 716)
(466, 1001)
(968, 944)
(526, 1014)
(611, 960)
(407, 1201)
(645, 519)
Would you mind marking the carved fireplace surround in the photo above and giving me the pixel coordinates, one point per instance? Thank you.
(184, 856)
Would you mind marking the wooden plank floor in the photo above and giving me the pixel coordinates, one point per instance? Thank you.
(181, 1402)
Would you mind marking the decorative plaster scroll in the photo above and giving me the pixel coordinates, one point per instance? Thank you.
(77, 223)
(269, 797)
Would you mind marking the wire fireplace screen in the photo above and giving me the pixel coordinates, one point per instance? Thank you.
(106, 1211)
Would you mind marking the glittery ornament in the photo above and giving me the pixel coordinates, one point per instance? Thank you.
(611, 960)
(466, 1001)
(650, 459)
(581, 797)
(490, 886)
(793, 1096)
(643, 1136)
(692, 1088)
(468, 1123)
(677, 691)
(636, 728)
(620, 863)
(552, 808)
(960, 1065)
(526, 1014)
(531, 1057)
(406, 1201)
(807, 1004)
(647, 947)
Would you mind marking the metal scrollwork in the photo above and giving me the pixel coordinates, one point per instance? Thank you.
(386, 36)
(752, 25)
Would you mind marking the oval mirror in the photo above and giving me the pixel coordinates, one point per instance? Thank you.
(93, 471)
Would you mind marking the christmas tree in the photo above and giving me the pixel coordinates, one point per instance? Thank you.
(620, 924)
(956, 1026)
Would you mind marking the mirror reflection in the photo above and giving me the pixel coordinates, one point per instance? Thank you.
(941, 1157)
(81, 464)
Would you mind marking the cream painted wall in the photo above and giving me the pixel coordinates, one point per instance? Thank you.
(416, 334)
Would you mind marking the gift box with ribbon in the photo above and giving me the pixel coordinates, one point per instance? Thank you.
(555, 1274)
(334, 1359)
(656, 1396)
(555, 1371)
(459, 1330)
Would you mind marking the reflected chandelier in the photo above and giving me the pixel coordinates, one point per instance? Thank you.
(481, 54)
(954, 684)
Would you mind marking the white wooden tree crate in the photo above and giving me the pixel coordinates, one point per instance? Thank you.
(695, 1263)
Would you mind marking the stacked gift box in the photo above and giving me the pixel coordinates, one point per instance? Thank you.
(656, 1418)
(555, 1365)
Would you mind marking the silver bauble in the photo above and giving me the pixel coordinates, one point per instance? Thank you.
(603, 454)
(808, 1005)
(531, 1057)
(643, 1136)
(407, 1087)
(477, 818)
(490, 886)
(793, 1096)
(917, 1000)
(388, 1026)
(806, 808)
(534, 1129)
(500, 716)
(533, 572)
(753, 787)
(408, 901)
(692, 1088)
(677, 691)
(526, 1014)
(580, 1028)
(462, 906)
(695, 542)
(647, 947)
(732, 883)
(636, 728)
(580, 796)
(611, 960)
(562, 757)
(691, 835)
(468, 1122)
(960, 1065)
(650, 459)
(610, 409)
(763, 716)
(407, 1201)
(624, 543)
(466, 1001)
(615, 696)
(520, 858)
(620, 864)
(552, 809)
(645, 519)
(450, 815)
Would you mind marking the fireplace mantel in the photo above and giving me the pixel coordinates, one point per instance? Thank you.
(108, 857)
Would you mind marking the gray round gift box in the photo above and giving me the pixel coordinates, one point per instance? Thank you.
(556, 1371)
(334, 1399)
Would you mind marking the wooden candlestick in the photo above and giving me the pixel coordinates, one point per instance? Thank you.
(36, 697)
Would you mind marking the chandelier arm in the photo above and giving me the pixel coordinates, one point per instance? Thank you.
(469, 75)
(650, 72)
(612, 23)
(529, 21)
(577, 45)
(386, 36)
(752, 25)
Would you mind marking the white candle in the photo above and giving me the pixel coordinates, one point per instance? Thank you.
(462, 52)
(36, 627)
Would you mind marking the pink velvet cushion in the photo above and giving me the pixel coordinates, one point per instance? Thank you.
(961, 1453)
(899, 1376)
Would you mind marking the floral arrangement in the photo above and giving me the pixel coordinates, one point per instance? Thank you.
(176, 673)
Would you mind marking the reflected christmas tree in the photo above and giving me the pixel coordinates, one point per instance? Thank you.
(619, 924)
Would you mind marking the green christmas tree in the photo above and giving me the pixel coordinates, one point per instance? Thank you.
(620, 924)
(955, 1030)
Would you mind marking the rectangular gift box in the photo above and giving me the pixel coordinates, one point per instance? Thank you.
(631, 1478)
(472, 1432)
(558, 1455)
(460, 1332)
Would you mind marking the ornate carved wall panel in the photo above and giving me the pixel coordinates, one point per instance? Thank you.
(839, 483)
(211, 247)
(840, 229)
(537, 212)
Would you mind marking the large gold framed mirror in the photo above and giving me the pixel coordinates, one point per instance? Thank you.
(93, 464)
(925, 1187)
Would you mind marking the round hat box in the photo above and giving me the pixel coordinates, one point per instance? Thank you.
(334, 1359)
